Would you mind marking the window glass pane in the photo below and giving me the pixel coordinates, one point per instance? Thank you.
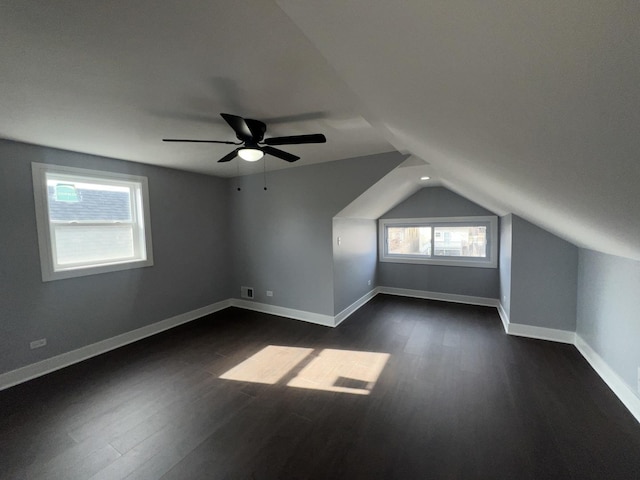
(88, 202)
(409, 240)
(460, 241)
(96, 244)
(90, 222)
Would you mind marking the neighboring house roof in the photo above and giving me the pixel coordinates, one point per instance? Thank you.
(96, 205)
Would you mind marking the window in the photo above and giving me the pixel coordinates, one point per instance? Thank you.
(456, 241)
(90, 222)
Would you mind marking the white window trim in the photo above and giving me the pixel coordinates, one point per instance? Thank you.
(39, 171)
(491, 261)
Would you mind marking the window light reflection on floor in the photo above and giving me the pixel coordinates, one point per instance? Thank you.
(328, 369)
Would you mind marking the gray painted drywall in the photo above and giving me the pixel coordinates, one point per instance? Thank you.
(472, 281)
(436, 202)
(609, 311)
(505, 262)
(190, 234)
(354, 260)
(544, 270)
(283, 236)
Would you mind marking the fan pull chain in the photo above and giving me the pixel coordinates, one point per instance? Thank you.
(264, 171)
(238, 174)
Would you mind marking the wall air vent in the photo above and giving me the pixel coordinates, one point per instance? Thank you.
(246, 292)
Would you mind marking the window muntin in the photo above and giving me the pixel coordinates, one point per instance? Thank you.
(456, 241)
(90, 222)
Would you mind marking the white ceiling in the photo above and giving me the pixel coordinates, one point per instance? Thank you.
(392, 189)
(114, 78)
(524, 107)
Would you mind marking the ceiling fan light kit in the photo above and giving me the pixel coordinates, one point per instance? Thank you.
(250, 154)
(254, 146)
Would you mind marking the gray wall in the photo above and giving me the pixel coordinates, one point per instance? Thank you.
(473, 281)
(436, 202)
(283, 236)
(609, 311)
(544, 270)
(190, 233)
(505, 262)
(354, 260)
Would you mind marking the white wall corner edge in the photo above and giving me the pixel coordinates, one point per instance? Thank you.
(34, 370)
(344, 314)
(503, 316)
(611, 378)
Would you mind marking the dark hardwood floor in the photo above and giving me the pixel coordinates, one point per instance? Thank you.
(456, 399)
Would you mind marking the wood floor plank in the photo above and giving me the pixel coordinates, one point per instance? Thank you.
(456, 399)
(156, 454)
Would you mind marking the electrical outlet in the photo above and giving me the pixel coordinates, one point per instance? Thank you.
(339, 240)
(38, 343)
(369, 282)
(269, 293)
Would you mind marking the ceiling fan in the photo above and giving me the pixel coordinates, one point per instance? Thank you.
(253, 144)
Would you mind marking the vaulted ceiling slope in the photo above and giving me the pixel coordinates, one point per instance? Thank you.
(524, 107)
(530, 107)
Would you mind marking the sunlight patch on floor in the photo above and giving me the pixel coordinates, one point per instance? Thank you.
(346, 371)
(269, 365)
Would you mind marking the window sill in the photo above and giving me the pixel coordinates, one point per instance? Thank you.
(73, 272)
(443, 262)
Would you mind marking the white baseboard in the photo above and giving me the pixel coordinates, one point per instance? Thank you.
(445, 297)
(541, 333)
(344, 314)
(311, 317)
(617, 385)
(305, 316)
(504, 317)
(34, 370)
(52, 364)
(531, 331)
(611, 378)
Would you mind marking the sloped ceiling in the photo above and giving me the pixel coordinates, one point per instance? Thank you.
(524, 107)
(530, 107)
(113, 78)
(398, 185)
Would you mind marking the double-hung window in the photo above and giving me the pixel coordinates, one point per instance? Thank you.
(90, 221)
(455, 241)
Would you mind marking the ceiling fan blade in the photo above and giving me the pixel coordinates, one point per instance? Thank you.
(243, 132)
(280, 154)
(257, 128)
(296, 139)
(230, 156)
(199, 141)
